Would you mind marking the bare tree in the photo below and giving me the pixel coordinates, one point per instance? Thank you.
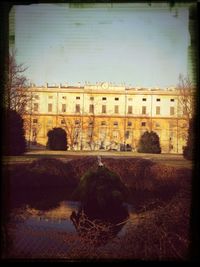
(35, 130)
(76, 128)
(87, 131)
(186, 96)
(73, 130)
(15, 96)
(91, 132)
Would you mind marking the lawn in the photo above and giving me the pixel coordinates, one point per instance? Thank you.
(175, 160)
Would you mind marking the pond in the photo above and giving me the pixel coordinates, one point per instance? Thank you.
(35, 233)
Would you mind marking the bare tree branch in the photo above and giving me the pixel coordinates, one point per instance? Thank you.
(186, 96)
(15, 96)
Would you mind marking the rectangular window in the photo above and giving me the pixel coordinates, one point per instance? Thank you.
(103, 123)
(130, 109)
(62, 121)
(184, 125)
(172, 99)
(36, 97)
(144, 110)
(103, 98)
(91, 98)
(50, 107)
(77, 122)
(116, 109)
(35, 107)
(171, 111)
(130, 99)
(185, 112)
(172, 124)
(127, 134)
(158, 110)
(158, 99)
(91, 109)
(89, 133)
(63, 107)
(116, 98)
(77, 97)
(64, 97)
(103, 108)
(50, 97)
(35, 120)
(115, 134)
(77, 110)
(91, 123)
(115, 123)
(157, 124)
(144, 99)
(129, 123)
(143, 123)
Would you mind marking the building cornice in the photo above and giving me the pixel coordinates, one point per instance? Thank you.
(103, 91)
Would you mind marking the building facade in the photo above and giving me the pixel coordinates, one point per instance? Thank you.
(104, 116)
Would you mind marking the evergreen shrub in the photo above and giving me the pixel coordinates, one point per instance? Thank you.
(149, 143)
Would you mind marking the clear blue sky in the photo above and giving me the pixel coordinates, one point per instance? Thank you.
(139, 45)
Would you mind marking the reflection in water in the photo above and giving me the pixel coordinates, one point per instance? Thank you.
(38, 199)
(51, 232)
(57, 218)
(39, 233)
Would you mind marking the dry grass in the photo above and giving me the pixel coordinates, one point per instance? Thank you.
(160, 194)
(146, 181)
(161, 234)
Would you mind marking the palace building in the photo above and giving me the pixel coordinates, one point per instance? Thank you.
(106, 116)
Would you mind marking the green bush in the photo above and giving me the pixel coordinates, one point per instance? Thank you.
(149, 143)
(102, 194)
(57, 139)
(14, 142)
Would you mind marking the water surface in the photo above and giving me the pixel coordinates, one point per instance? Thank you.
(44, 233)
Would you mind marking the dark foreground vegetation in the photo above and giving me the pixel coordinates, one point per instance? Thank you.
(159, 194)
(189, 149)
(13, 134)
